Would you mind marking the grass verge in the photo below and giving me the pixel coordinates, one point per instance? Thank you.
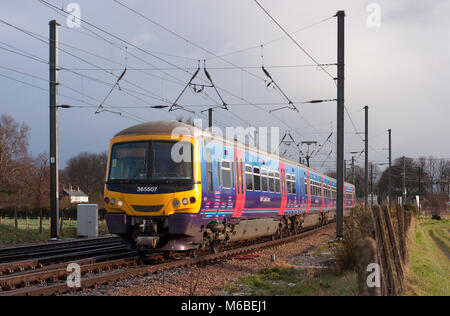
(429, 270)
(10, 236)
(283, 281)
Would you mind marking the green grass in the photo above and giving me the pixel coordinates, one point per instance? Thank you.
(28, 233)
(282, 281)
(429, 271)
(33, 223)
(11, 236)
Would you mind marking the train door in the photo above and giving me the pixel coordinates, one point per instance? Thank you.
(209, 192)
(240, 187)
(322, 190)
(283, 188)
(308, 186)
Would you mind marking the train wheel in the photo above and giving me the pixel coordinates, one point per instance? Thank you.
(193, 253)
(214, 249)
(297, 228)
(278, 234)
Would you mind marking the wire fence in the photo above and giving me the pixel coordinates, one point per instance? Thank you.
(29, 223)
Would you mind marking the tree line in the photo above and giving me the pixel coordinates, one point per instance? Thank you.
(25, 179)
(427, 177)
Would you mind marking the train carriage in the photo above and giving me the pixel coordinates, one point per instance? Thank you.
(175, 187)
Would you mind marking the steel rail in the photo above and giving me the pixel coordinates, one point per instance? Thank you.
(56, 245)
(108, 277)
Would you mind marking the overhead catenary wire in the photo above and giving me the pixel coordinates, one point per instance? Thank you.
(161, 59)
(154, 52)
(277, 39)
(100, 107)
(253, 104)
(63, 95)
(23, 53)
(195, 68)
(65, 86)
(120, 39)
(40, 38)
(295, 42)
(184, 38)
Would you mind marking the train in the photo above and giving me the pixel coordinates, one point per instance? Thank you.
(172, 187)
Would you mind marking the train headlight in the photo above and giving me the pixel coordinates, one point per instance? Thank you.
(119, 203)
(176, 203)
(185, 201)
(112, 201)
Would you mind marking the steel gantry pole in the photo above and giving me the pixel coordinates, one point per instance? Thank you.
(404, 182)
(390, 171)
(366, 179)
(371, 186)
(340, 124)
(54, 181)
(353, 170)
(420, 188)
(210, 118)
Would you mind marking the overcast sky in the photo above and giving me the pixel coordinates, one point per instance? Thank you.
(400, 69)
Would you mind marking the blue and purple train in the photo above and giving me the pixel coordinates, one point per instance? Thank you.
(175, 187)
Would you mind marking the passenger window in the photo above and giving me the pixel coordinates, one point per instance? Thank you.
(289, 184)
(226, 174)
(249, 178)
(265, 185)
(277, 182)
(209, 170)
(294, 185)
(271, 182)
(256, 179)
(218, 174)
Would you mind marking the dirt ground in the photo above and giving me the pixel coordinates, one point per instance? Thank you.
(210, 280)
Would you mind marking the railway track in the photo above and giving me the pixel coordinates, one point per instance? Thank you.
(57, 248)
(51, 280)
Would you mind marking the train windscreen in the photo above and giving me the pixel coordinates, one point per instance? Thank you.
(151, 161)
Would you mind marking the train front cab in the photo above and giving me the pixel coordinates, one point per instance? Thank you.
(151, 200)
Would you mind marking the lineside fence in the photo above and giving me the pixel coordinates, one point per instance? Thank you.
(375, 246)
(390, 231)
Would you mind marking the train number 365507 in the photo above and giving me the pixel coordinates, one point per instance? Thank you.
(147, 189)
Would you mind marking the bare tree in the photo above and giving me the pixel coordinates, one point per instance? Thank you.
(40, 181)
(13, 151)
(443, 174)
(87, 171)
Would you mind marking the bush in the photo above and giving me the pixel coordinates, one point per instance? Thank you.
(411, 208)
(356, 226)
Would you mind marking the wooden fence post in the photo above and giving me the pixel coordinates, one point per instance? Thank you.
(401, 231)
(40, 225)
(381, 252)
(61, 224)
(396, 253)
(394, 287)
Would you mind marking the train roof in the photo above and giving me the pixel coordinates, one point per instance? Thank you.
(162, 128)
(183, 129)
